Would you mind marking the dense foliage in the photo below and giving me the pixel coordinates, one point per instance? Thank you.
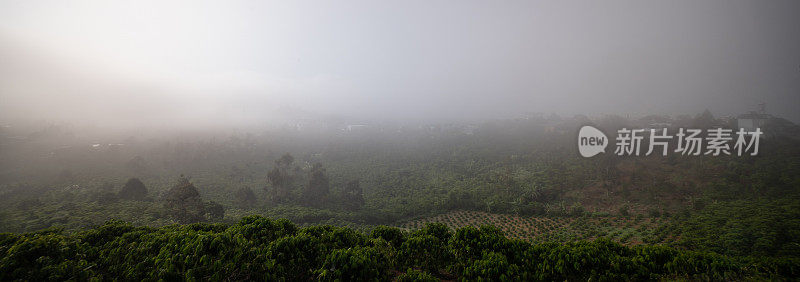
(259, 248)
(761, 227)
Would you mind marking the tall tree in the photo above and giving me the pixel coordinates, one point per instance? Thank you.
(246, 197)
(280, 179)
(704, 121)
(318, 185)
(214, 210)
(353, 194)
(133, 189)
(183, 202)
(285, 161)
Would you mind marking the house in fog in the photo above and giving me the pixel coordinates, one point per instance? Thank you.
(356, 127)
(752, 120)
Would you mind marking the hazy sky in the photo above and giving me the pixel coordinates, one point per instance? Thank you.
(164, 62)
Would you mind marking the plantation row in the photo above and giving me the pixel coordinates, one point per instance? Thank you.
(626, 230)
(258, 248)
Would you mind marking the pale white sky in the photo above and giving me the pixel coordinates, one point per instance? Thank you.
(247, 61)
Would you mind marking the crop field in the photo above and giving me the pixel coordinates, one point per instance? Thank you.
(626, 230)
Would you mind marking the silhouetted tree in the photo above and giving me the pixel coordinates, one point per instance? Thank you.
(285, 161)
(318, 186)
(353, 194)
(280, 179)
(183, 202)
(246, 197)
(214, 210)
(133, 189)
(278, 188)
(704, 120)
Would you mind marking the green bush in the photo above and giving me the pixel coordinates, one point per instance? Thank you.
(412, 275)
(425, 251)
(392, 235)
(354, 264)
(492, 267)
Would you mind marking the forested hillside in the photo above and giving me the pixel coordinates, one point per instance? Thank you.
(205, 207)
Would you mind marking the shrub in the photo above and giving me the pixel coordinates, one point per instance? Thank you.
(424, 251)
(412, 275)
(435, 229)
(492, 267)
(294, 257)
(392, 235)
(354, 264)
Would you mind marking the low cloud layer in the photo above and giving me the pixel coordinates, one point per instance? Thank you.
(242, 62)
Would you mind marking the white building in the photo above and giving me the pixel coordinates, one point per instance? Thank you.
(752, 120)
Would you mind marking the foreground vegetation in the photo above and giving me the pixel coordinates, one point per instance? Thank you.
(258, 248)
